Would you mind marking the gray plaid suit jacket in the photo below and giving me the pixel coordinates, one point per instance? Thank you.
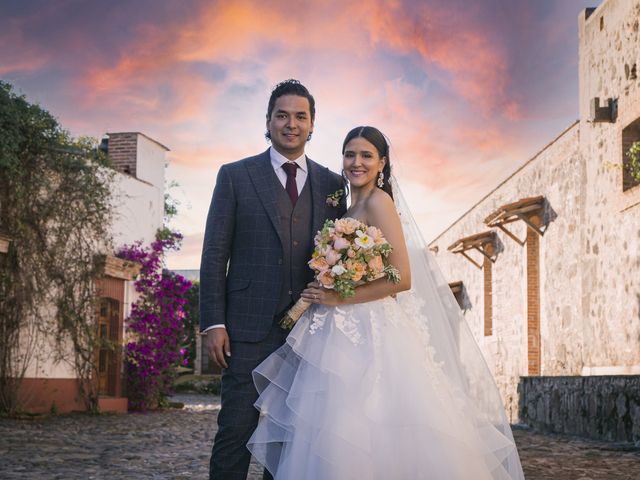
(241, 270)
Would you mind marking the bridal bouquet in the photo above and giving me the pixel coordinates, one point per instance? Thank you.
(347, 253)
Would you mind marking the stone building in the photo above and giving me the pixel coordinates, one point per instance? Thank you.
(138, 208)
(546, 266)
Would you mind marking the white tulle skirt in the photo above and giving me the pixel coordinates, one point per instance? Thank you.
(356, 393)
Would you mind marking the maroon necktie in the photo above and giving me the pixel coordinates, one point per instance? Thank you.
(292, 187)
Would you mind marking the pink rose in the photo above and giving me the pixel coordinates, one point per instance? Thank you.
(332, 257)
(340, 243)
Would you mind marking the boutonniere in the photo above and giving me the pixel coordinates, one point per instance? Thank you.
(334, 198)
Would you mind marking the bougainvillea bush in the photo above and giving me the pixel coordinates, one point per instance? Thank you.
(155, 329)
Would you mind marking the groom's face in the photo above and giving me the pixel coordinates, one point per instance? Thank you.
(290, 125)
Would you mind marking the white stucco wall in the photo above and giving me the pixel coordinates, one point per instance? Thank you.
(150, 161)
(139, 200)
(138, 210)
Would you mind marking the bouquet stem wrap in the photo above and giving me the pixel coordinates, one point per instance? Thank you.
(294, 314)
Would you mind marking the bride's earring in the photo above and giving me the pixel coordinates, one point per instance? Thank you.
(381, 180)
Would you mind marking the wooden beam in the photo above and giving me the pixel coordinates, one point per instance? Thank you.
(529, 210)
(118, 268)
(487, 256)
(502, 227)
(533, 226)
(471, 260)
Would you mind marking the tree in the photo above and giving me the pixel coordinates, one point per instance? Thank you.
(55, 204)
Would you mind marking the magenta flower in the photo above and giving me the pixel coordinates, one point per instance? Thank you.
(156, 324)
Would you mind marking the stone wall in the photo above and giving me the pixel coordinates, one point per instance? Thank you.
(589, 256)
(599, 407)
(555, 173)
(610, 249)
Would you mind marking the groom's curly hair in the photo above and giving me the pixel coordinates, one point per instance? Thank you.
(290, 87)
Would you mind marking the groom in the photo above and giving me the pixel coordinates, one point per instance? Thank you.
(258, 239)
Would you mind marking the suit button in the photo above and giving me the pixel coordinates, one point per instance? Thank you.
(290, 292)
(295, 243)
(295, 219)
(279, 261)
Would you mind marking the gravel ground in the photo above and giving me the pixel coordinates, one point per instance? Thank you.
(175, 444)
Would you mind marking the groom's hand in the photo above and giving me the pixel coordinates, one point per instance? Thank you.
(219, 345)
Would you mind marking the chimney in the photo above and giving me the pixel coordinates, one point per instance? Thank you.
(122, 149)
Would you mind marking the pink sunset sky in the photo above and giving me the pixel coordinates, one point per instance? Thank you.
(467, 90)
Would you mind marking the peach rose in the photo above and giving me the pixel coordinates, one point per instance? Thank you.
(376, 265)
(347, 225)
(359, 273)
(319, 263)
(325, 279)
(357, 268)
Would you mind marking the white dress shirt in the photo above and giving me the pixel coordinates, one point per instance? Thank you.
(277, 161)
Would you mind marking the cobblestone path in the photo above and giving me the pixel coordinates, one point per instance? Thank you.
(175, 444)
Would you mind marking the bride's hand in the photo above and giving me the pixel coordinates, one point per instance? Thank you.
(314, 293)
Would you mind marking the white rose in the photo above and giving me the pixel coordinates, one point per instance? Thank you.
(338, 270)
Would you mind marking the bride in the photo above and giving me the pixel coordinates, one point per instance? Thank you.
(389, 383)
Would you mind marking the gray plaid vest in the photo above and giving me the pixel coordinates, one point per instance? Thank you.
(297, 243)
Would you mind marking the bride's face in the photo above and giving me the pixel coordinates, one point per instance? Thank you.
(361, 162)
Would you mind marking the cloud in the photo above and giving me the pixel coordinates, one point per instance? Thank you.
(251, 37)
(463, 89)
(472, 60)
(28, 58)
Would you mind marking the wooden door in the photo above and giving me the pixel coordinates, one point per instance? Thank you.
(108, 314)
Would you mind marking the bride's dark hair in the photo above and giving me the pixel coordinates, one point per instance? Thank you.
(378, 140)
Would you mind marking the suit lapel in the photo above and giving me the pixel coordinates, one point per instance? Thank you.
(265, 182)
(319, 182)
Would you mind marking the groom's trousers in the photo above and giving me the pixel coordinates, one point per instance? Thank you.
(238, 417)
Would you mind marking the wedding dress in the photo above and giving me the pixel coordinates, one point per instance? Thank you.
(392, 389)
